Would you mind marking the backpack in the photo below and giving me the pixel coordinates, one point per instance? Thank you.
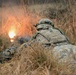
(51, 36)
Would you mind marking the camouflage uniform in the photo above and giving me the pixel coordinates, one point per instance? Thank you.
(9, 52)
(65, 54)
(48, 35)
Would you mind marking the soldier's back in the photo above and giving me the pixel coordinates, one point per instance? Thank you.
(52, 36)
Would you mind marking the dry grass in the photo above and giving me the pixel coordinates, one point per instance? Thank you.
(35, 60)
(4, 42)
(63, 16)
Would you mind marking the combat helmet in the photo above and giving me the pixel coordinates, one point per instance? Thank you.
(44, 23)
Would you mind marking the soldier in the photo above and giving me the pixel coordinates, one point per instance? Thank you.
(48, 35)
(8, 53)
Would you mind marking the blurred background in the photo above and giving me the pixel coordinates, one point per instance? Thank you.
(19, 16)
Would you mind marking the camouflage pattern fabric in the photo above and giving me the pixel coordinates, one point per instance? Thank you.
(50, 36)
(47, 35)
(8, 53)
(65, 53)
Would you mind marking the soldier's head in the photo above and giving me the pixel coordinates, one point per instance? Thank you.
(44, 24)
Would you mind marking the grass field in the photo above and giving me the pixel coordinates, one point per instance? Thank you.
(36, 60)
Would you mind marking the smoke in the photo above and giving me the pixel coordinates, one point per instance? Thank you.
(18, 18)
